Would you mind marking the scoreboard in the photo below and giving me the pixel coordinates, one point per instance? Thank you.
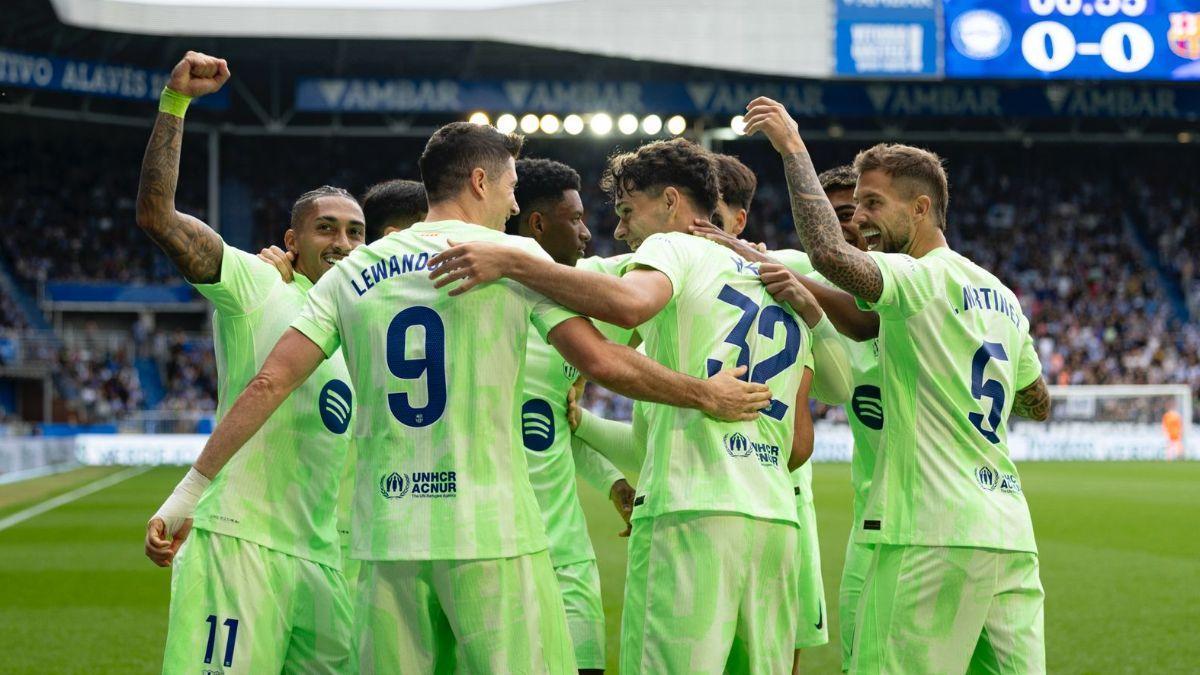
(1072, 39)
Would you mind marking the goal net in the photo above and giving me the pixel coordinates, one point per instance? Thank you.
(1109, 422)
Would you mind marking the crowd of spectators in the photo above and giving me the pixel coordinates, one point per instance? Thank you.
(1102, 254)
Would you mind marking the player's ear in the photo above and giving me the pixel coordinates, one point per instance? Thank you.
(922, 206)
(478, 181)
(289, 240)
(672, 197)
(537, 226)
(739, 223)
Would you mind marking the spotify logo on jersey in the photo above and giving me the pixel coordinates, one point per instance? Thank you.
(334, 404)
(537, 425)
(867, 407)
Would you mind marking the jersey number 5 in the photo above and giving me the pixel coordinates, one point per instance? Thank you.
(990, 388)
(769, 317)
(431, 364)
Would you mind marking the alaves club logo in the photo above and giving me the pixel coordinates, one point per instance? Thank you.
(537, 424)
(570, 371)
(867, 406)
(987, 478)
(394, 485)
(334, 404)
(737, 445)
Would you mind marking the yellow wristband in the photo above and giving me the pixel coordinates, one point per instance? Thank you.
(173, 102)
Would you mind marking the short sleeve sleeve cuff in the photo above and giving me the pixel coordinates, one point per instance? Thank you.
(327, 341)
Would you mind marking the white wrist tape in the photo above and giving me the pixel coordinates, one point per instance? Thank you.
(182, 503)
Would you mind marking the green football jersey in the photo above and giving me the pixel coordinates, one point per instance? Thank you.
(441, 465)
(611, 266)
(281, 490)
(719, 316)
(864, 411)
(796, 261)
(546, 438)
(954, 350)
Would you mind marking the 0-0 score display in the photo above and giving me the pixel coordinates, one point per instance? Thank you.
(1027, 39)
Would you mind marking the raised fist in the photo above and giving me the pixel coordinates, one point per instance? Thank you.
(198, 74)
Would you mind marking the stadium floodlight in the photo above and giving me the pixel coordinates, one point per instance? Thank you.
(627, 124)
(529, 123)
(479, 118)
(738, 124)
(573, 124)
(676, 125)
(652, 124)
(550, 124)
(506, 123)
(1184, 137)
(601, 124)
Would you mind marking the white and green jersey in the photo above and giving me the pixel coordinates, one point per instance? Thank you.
(546, 437)
(955, 349)
(611, 266)
(864, 411)
(796, 261)
(719, 316)
(281, 489)
(441, 465)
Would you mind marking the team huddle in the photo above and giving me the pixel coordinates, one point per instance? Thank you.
(392, 484)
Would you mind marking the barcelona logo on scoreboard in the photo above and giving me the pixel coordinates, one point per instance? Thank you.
(1184, 34)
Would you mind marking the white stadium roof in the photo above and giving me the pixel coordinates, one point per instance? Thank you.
(781, 37)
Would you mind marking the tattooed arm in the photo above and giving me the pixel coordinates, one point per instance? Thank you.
(1033, 402)
(192, 245)
(816, 222)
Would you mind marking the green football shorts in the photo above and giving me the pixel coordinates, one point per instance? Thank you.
(813, 627)
(501, 615)
(710, 593)
(854, 574)
(580, 586)
(937, 609)
(237, 607)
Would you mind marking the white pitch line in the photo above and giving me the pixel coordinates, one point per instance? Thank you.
(67, 498)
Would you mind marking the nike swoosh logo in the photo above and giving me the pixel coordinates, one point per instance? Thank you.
(820, 616)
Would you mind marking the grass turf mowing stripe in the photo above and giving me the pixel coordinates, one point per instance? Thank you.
(78, 493)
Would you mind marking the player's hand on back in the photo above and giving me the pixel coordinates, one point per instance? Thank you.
(282, 260)
(622, 495)
(161, 545)
(772, 119)
(198, 74)
(475, 262)
(574, 406)
(733, 400)
(786, 288)
(752, 252)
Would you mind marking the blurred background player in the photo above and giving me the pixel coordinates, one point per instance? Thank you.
(954, 540)
(711, 580)
(551, 213)
(455, 570)
(1172, 424)
(266, 529)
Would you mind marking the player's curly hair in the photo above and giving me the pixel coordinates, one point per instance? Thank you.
(395, 202)
(539, 182)
(917, 170)
(306, 201)
(842, 177)
(677, 163)
(457, 149)
(738, 182)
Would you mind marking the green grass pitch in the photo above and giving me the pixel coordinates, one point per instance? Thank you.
(1120, 563)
